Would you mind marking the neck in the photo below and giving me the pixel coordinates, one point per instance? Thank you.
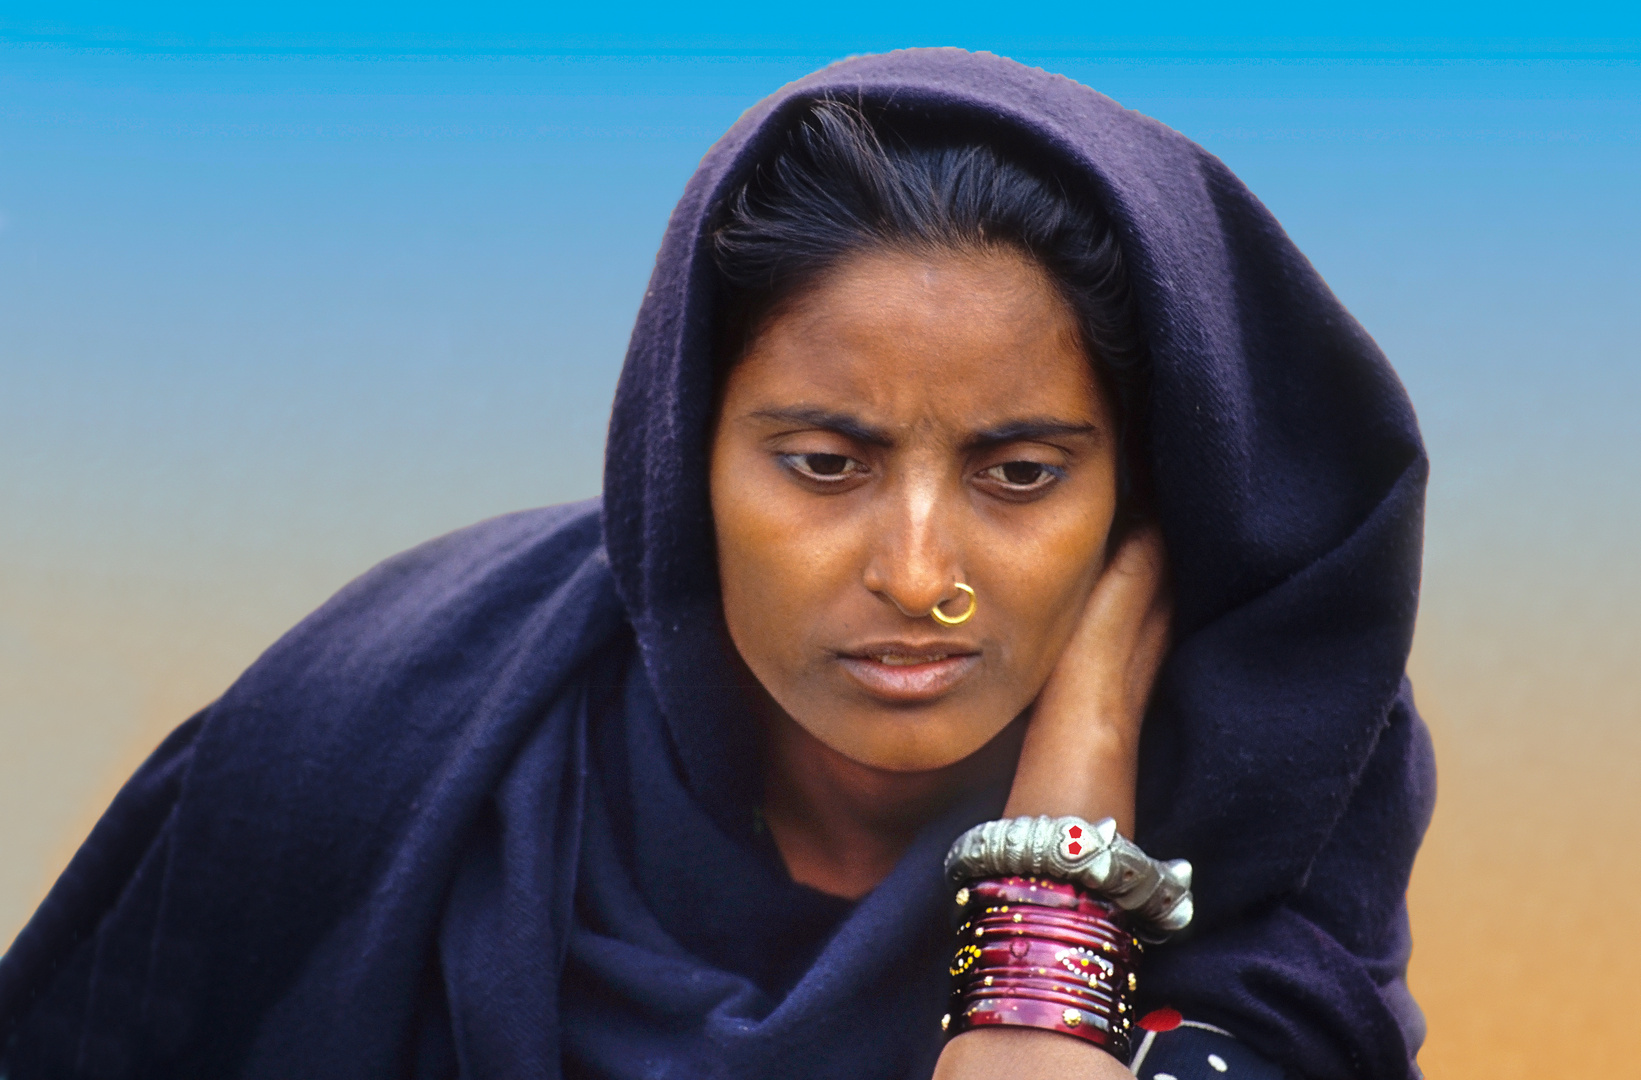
(841, 826)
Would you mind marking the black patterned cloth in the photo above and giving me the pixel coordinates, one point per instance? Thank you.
(1174, 1048)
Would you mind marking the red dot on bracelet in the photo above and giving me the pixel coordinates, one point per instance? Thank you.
(1076, 834)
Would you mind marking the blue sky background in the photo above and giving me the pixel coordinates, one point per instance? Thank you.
(283, 292)
(305, 264)
(850, 26)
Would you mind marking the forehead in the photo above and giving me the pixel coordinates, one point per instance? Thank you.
(960, 338)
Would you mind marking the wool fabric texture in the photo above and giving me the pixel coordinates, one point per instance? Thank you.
(491, 811)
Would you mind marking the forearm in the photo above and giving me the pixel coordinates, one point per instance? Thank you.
(1104, 785)
(1003, 1053)
(1081, 749)
(1104, 788)
(1080, 756)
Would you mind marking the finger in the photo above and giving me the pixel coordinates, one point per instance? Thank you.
(1142, 553)
(1133, 581)
(1151, 646)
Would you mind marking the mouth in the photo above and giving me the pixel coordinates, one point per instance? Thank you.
(906, 674)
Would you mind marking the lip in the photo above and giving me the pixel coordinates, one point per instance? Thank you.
(908, 678)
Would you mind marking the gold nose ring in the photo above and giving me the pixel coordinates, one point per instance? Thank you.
(955, 620)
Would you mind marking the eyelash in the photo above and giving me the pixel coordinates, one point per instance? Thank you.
(803, 466)
(799, 463)
(1051, 474)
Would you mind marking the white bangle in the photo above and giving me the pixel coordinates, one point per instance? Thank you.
(1094, 857)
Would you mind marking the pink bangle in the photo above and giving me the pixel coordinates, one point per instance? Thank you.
(1032, 952)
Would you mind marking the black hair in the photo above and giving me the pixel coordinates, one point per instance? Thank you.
(842, 182)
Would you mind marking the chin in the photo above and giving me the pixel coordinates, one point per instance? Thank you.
(918, 746)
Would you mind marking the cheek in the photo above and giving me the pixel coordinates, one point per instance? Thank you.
(769, 580)
(1044, 576)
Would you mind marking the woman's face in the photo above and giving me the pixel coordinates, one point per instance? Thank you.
(909, 422)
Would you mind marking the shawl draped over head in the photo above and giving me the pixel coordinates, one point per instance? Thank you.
(491, 811)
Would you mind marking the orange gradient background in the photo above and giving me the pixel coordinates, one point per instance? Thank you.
(264, 321)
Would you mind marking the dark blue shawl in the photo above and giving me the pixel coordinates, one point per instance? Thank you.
(491, 809)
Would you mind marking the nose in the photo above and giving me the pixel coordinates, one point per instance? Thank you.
(915, 559)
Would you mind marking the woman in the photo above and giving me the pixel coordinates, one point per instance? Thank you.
(943, 362)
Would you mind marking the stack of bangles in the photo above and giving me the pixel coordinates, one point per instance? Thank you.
(1052, 914)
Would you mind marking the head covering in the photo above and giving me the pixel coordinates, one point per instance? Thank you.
(492, 807)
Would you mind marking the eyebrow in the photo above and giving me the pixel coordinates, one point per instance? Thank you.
(1029, 429)
(841, 423)
(1032, 429)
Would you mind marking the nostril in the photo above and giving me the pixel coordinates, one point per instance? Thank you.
(911, 611)
(914, 603)
(912, 586)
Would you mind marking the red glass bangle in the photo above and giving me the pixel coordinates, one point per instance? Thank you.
(1032, 952)
(1041, 892)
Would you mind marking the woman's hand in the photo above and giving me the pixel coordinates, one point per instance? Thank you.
(1081, 750)
(1081, 756)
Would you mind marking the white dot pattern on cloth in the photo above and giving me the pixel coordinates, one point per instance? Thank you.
(1217, 1062)
(1162, 1076)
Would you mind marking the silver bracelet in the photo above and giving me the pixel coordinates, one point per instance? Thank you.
(1095, 857)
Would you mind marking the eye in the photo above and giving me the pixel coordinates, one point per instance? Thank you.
(1019, 476)
(823, 468)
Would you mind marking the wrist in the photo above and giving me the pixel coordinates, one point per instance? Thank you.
(1089, 772)
(1024, 1054)
(1090, 726)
